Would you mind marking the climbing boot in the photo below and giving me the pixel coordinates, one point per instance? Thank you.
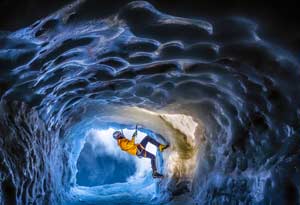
(162, 147)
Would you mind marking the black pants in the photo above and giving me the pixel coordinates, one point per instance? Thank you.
(146, 154)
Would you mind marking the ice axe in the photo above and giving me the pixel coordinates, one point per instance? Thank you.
(137, 126)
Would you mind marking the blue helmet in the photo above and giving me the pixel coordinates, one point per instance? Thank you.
(117, 135)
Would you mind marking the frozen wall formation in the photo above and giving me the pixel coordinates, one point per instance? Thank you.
(224, 97)
(31, 159)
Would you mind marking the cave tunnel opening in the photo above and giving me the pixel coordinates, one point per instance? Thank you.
(105, 173)
(102, 162)
(102, 172)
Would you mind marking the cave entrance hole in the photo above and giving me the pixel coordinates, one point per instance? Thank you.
(102, 162)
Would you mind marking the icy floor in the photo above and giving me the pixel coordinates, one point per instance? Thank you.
(123, 193)
(133, 192)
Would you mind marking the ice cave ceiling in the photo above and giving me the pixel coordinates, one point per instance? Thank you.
(225, 97)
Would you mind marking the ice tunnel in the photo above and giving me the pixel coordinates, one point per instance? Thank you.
(119, 176)
(224, 97)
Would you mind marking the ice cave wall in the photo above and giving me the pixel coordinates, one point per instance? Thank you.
(243, 89)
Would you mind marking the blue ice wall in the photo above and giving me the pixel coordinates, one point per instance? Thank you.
(58, 72)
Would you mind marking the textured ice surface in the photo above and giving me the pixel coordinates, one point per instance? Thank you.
(69, 73)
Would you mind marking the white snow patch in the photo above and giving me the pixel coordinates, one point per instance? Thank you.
(184, 123)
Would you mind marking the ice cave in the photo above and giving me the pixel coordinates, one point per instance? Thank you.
(223, 96)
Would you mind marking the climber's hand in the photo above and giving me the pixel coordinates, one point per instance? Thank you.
(134, 134)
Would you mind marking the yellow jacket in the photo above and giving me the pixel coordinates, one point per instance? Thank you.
(128, 145)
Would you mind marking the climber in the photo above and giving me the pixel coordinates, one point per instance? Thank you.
(139, 149)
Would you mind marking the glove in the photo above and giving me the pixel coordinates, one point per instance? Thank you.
(134, 134)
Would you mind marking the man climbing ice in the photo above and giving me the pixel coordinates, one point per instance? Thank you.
(140, 149)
